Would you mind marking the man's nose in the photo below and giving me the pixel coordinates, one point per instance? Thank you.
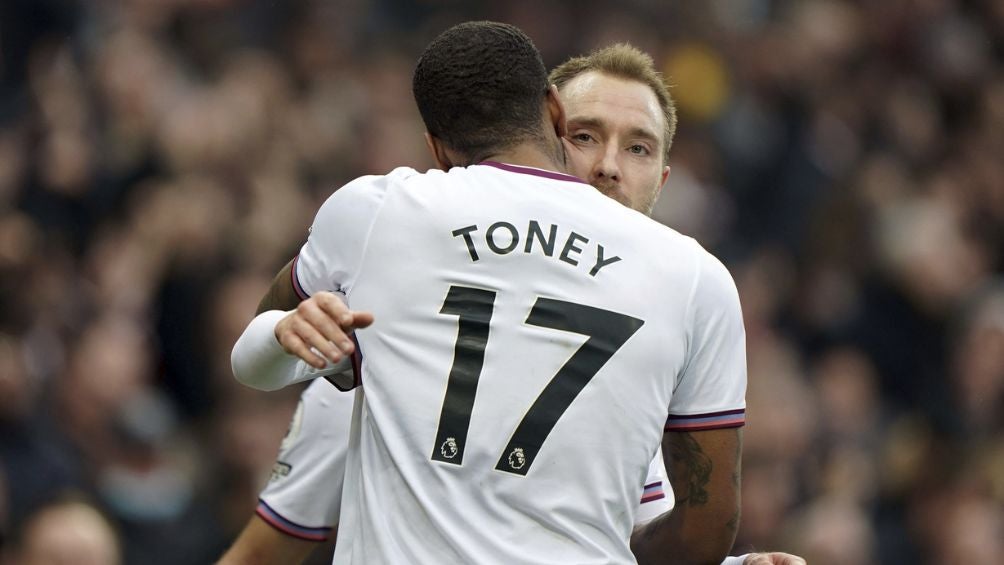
(607, 166)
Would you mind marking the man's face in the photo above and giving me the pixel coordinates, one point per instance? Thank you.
(615, 138)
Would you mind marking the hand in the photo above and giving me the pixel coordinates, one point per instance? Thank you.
(321, 323)
(773, 559)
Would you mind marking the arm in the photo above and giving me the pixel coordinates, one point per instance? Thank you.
(299, 507)
(316, 328)
(268, 355)
(704, 469)
(281, 295)
(261, 544)
(702, 444)
(658, 499)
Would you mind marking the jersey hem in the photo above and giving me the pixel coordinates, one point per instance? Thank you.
(653, 492)
(357, 363)
(701, 428)
(708, 421)
(356, 360)
(297, 287)
(288, 527)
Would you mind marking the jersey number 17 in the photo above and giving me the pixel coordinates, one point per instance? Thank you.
(606, 331)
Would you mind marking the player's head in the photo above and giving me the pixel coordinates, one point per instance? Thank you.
(482, 88)
(621, 122)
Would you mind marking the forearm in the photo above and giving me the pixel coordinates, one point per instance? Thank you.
(259, 361)
(261, 544)
(704, 472)
(666, 541)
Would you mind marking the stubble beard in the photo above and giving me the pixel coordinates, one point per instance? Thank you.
(613, 190)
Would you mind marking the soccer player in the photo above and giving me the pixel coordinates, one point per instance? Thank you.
(595, 415)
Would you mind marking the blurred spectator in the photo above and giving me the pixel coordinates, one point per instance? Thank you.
(67, 531)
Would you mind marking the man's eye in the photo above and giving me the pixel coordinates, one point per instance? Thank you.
(583, 137)
(639, 150)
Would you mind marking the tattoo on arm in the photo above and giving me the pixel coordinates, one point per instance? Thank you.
(733, 523)
(690, 471)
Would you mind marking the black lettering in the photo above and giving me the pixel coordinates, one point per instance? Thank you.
(570, 247)
(490, 237)
(466, 232)
(546, 244)
(600, 261)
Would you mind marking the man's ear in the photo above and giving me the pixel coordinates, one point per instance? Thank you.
(556, 111)
(662, 181)
(438, 151)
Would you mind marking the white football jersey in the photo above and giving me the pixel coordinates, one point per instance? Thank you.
(533, 339)
(304, 493)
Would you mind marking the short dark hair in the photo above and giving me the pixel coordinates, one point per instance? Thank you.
(480, 87)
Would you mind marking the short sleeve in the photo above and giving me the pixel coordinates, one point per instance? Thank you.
(331, 257)
(711, 390)
(304, 494)
(657, 495)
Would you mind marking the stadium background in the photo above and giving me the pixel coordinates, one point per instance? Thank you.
(159, 160)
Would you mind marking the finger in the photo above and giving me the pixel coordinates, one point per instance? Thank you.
(348, 319)
(336, 307)
(335, 338)
(321, 344)
(333, 319)
(757, 559)
(361, 319)
(296, 346)
(311, 337)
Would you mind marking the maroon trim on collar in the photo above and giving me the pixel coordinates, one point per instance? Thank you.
(532, 171)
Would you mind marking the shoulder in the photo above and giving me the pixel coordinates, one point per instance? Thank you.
(713, 274)
(370, 184)
(707, 269)
(406, 173)
(663, 243)
(364, 193)
(714, 295)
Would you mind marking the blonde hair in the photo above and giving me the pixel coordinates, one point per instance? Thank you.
(626, 61)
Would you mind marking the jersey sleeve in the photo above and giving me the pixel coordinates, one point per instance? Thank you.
(657, 496)
(304, 494)
(259, 361)
(331, 257)
(711, 389)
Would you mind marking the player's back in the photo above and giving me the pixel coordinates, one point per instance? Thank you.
(528, 339)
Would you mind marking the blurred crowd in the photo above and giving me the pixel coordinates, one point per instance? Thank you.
(161, 159)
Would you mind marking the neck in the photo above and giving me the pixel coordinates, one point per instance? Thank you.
(531, 155)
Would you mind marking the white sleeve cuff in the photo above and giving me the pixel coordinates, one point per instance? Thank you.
(259, 361)
(735, 560)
